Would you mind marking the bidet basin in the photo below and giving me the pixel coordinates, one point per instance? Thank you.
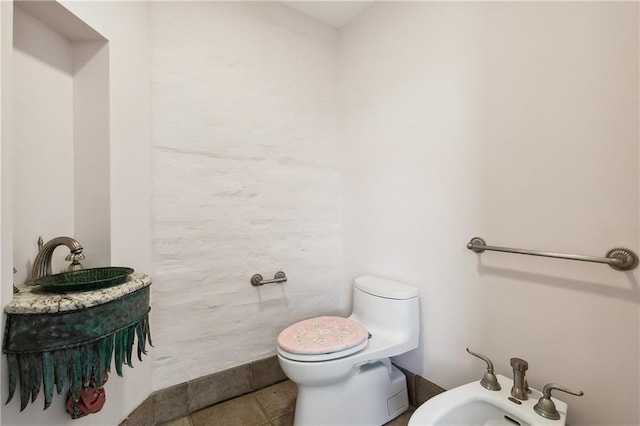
(473, 405)
(84, 279)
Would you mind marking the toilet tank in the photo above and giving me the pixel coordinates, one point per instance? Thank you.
(387, 308)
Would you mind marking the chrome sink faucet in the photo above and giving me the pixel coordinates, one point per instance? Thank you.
(520, 387)
(42, 262)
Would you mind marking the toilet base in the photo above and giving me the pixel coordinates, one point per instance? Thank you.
(375, 395)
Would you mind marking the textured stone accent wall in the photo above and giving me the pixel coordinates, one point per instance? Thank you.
(246, 172)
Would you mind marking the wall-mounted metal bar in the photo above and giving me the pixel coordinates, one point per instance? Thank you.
(621, 259)
(279, 277)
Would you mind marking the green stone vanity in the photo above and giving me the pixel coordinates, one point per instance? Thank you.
(71, 339)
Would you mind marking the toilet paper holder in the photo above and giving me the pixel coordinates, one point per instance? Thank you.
(279, 277)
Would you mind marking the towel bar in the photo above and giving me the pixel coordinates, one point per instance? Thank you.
(618, 258)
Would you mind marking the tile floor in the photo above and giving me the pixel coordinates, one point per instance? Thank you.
(271, 406)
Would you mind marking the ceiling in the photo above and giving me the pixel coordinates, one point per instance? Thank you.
(335, 13)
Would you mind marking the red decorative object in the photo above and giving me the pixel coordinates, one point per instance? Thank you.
(91, 400)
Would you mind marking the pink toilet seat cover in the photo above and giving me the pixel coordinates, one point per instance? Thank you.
(322, 335)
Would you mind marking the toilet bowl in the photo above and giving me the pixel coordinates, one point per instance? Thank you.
(341, 365)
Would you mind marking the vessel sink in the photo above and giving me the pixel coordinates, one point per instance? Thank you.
(84, 279)
(473, 405)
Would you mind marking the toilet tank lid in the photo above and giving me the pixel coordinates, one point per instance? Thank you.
(383, 287)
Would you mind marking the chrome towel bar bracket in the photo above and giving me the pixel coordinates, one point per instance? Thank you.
(279, 277)
(618, 258)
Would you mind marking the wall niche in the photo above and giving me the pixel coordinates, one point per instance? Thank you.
(61, 135)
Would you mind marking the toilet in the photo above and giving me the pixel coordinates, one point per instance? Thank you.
(341, 365)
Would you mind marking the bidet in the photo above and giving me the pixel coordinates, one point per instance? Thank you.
(473, 405)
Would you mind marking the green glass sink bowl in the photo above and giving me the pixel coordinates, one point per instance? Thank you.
(84, 279)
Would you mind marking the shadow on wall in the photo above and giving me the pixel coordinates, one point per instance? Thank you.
(632, 293)
(272, 298)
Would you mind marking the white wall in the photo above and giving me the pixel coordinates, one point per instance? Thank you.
(125, 26)
(43, 199)
(91, 151)
(61, 129)
(518, 123)
(246, 180)
(6, 155)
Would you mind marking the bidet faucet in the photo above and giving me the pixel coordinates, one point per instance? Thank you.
(519, 389)
(546, 407)
(42, 262)
(489, 380)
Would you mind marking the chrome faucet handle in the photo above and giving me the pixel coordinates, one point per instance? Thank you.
(75, 258)
(520, 385)
(545, 406)
(519, 364)
(489, 380)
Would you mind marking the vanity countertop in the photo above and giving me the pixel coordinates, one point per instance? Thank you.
(33, 300)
